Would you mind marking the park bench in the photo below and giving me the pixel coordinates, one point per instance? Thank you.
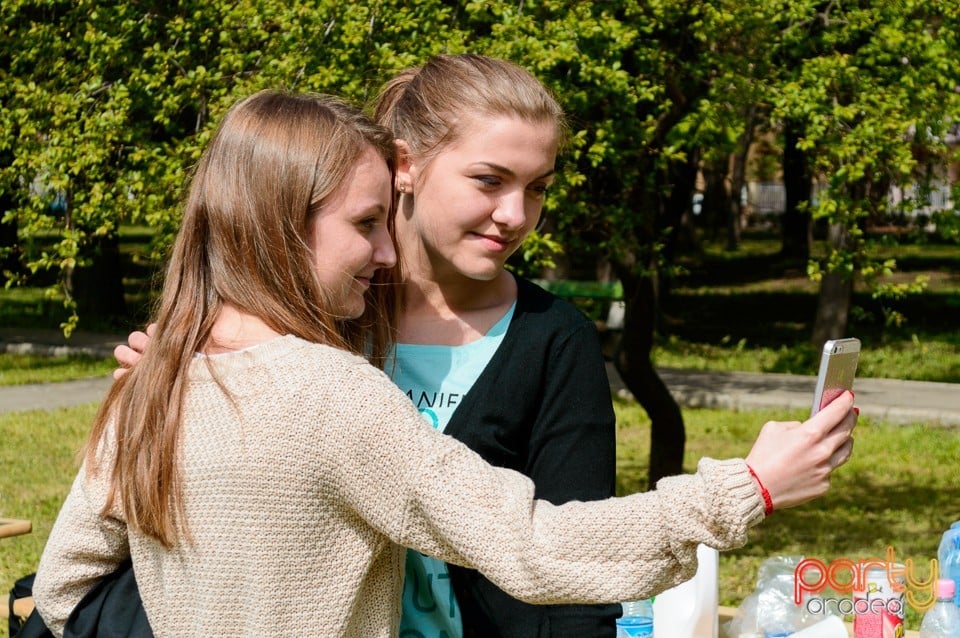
(22, 607)
(14, 527)
(608, 293)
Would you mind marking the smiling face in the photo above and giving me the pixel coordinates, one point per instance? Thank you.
(476, 200)
(349, 236)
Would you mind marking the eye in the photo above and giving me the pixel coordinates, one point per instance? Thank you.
(539, 188)
(367, 224)
(490, 181)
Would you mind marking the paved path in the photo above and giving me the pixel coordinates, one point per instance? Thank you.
(52, 342)
(49, 396)
(882, 399)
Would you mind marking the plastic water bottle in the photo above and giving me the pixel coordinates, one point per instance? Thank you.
(637, 619)
(948, 555)
(943, 619)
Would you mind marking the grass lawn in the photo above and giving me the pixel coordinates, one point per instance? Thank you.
(17, 369)
(753, 311)
(898, 490)
(745, 311)
(38, 457)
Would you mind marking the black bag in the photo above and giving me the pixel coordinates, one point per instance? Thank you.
(112, 609)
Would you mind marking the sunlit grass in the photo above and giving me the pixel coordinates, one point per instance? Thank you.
(18, 369)
(933, 358)
(899, 490)
(38, 457)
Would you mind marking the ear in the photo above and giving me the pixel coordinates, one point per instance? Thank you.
(406, 171)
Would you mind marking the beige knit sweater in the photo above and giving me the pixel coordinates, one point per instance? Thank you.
(300, 499)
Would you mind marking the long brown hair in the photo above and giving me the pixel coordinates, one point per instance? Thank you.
(427, 106)
(272, 164)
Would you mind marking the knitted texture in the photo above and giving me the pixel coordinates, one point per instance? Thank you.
(302, 484)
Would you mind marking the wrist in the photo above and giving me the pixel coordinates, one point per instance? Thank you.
(764, 493)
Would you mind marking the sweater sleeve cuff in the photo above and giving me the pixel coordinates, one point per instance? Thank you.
(734, 477)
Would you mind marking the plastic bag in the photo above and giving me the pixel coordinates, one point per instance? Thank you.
(770, 610)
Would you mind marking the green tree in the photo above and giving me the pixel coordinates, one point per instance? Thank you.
(107, 104)
(650, 87)
(873, 93)
(111, 102)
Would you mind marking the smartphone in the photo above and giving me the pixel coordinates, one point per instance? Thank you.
(838, 366)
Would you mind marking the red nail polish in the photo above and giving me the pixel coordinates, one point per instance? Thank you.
(857, 410)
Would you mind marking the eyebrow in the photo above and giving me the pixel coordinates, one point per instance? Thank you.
(376, 209)
(504, 169)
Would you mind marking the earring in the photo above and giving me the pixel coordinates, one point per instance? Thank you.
(402, 187)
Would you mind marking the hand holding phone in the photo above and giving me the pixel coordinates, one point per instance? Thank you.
(838, 367)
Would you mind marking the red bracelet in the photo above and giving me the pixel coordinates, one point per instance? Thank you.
(767, 500)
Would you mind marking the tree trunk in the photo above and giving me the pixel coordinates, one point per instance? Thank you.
(738, 172)
(9, 246)
(10, 267)
(796, 227)
(833, 304)
(676, 216)
(716, 199)
(632, 360)
(98, 288)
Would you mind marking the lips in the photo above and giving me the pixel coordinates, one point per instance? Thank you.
(496, 242)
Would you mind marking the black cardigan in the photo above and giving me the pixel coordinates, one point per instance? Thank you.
(542, 407)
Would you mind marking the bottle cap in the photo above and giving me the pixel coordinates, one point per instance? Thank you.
(946, 588)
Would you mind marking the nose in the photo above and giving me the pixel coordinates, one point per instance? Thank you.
(384, 252)
(511, 211)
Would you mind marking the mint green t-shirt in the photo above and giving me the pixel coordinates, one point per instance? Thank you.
(436, 378)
